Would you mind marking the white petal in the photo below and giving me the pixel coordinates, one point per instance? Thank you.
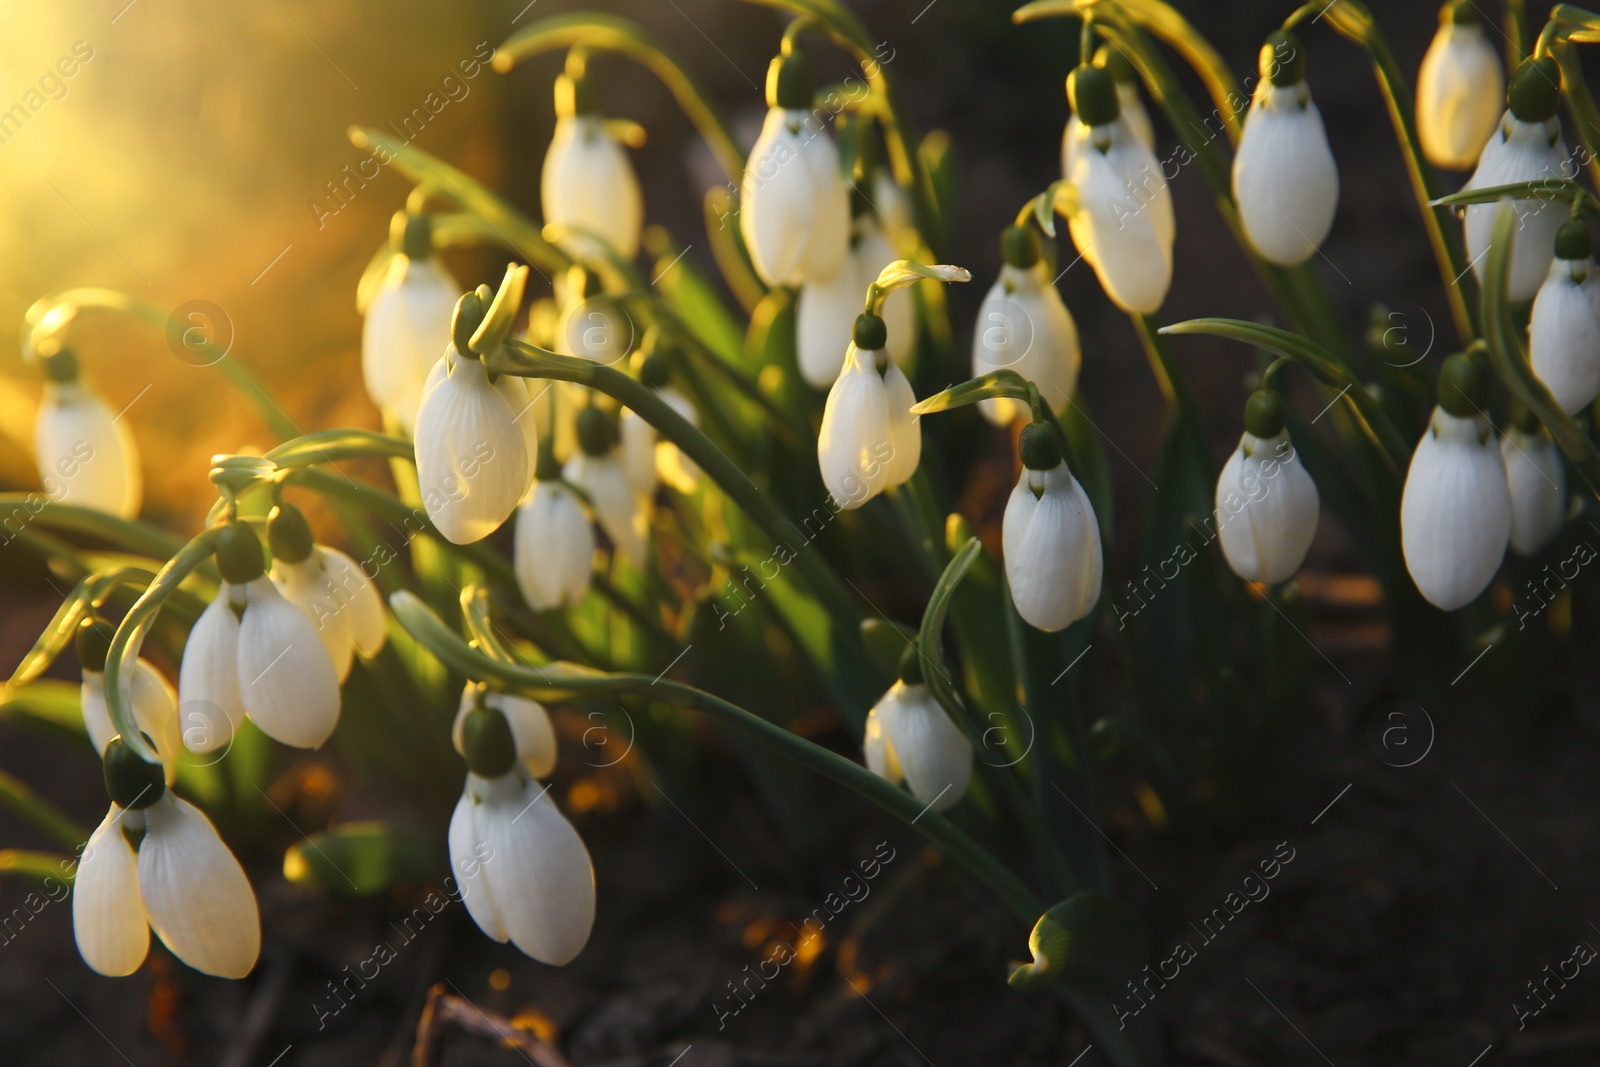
(86, 455)
(96, 715)
(286, 679)
(1118, 235)
(540, 880)
(905, 429)
(777, 203)
(934, 754)
(1520, 152)
(824, 317)
(1024, 326)
(1284, 176)
(604, 481)
(875, 743)
(360, 599)
(472, 458)
(199, 901)
(1052, 549)
(406, 330)
(828, 238)
(587, 181)
(554, 548)
(469, 848)
(1564, 333)
(1460, 95)
(854, 446)
(1267, 509)
(1538, 485)
(637, 444)
(306, 586)
(1134, 113)
(209, 705)
(1455, 513)
(107, 914)
(155, 709)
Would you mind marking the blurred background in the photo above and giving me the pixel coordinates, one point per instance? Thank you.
(199, 153)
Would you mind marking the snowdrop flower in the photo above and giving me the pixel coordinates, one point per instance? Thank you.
(474, 439)
(1267, 504)
(597, 471)
(910, 738)
(1024, 326)
(1564, 331)
(1130, 105)
(531, 732)
(1050, 537)
(1284, 177)
(86, 455)
(154, 704)
(408, 322)
(795, 209)
(553, 551)
(1460, 89)
(524, 873)
(254, 652)
(1455, 513)
(824, 316)
(1527, 146)
(1538, 484)
(870, 252)
(869, 440)
(156, 863)
(1123, 222)
(587, 181)
(329, 586)
(593, 326)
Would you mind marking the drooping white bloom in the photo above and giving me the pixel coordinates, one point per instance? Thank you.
(155, 709)
(553, 552)
(1526, 146)
(474, 455)
(1284, 177)
(339, 599)
(182, 882)
(595, 327)
(1460, 90)
(1051, 540)
(1455, 513)
(531, 731)
(1130, 107)
(794, 209)
(85, 453)
(524, 873)
(869, 440)
(254, 652)
(910, 738)
(587, 182)
(597, 470)
(406, 327)
(1023, 325)
(1538, 485)
(1267, 509)
(1123, 223)
(287, 682)
(825, 312)
(1564, 330)
(870, 252)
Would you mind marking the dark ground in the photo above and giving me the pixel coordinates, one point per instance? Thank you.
(1420, 899)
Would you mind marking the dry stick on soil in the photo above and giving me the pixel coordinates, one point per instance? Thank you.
(446, 1009)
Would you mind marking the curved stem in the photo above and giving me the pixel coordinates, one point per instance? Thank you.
(132, 630)
(525, 360)
(56, 311)
(561, 681)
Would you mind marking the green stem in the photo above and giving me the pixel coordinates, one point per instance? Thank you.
(46, 315)
(131, 634)
(1580, 105)
(527, 361)
(560, 681)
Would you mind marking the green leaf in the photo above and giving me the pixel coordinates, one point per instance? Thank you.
(47, 702)
(57, 635)
(21, 799)
(364, 859)
(994, 385)
(1091, 940)
(885, 641)
(40, 868)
